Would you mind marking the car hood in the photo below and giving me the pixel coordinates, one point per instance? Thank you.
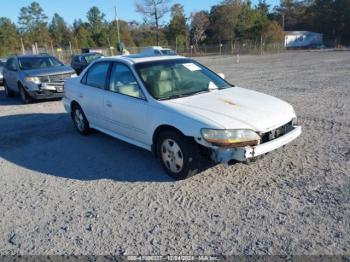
(235, 108)
(49, 71)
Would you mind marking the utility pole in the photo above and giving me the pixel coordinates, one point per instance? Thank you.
(70, 48)
(117, 20)
(22, 46)
(284, 40)
(176, 44)
(52, 51)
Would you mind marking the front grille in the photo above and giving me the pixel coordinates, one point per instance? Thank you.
(276, 133)
(54, 78)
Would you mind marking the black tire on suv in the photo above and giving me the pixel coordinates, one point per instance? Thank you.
(8, 92)
(23, 94)
(179, 155)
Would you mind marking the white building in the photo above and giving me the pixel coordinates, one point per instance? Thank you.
(302, 39)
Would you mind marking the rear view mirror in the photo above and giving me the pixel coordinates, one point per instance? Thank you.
(221, 75)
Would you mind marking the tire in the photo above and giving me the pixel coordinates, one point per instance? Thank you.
(24, 95)
(80, 121)
(178, 155)
(8, 92)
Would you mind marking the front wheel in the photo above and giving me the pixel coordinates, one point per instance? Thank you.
(179, 155)
(24, 96)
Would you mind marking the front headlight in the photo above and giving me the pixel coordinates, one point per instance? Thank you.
(231, 137)
(35, 80)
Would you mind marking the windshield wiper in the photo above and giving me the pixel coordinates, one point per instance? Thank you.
(174, 96)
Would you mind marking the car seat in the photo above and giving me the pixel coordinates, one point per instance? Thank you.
(164, 85)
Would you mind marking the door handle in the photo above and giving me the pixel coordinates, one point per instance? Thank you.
(81, 95)
(108, 104)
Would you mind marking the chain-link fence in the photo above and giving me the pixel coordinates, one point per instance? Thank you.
(65, 54)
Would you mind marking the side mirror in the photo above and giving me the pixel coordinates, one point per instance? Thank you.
(13, 68)
(221, 75)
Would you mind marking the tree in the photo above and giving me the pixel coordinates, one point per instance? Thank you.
(263, 7)
(143, 35)
(177, 29)
(223, 20)
(292, 14)
(97, 25)
(272, 32)
(9, 37)
(59, 31)
(199, 25)
(342, 21)
(82, 35)
(33, 24)
(153, 11)
(125, 34)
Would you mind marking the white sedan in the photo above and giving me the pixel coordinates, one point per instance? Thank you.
(177, 108)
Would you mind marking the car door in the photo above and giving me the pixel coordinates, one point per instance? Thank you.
(125, 104)
(91, 93)
(11, 74)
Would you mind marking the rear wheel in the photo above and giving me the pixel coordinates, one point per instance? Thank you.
(8, 92)
(179, 155)
(80, 121)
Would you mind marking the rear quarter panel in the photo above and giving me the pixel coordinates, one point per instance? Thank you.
(71, 90)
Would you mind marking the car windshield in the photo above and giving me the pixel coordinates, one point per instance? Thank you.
(178, 78)
(92, 57)
(167, 52)
(28, 63)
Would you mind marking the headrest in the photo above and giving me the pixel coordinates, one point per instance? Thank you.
(164, 75)
(127, 78)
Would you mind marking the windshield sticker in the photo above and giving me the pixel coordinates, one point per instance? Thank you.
(192, 67)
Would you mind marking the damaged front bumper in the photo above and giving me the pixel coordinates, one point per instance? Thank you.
(46, 91)
(242, 154)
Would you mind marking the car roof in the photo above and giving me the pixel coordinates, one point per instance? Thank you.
(31, 56)
(138, 58)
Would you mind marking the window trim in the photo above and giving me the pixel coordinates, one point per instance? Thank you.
(107, 80)
(143, 97)
(15, 63)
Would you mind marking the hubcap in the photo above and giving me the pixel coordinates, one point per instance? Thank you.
(79, 120)
(172, 155)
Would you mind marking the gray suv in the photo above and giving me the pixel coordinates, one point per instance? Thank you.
(35, 77)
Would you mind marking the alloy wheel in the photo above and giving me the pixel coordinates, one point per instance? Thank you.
(172, 155)
(79, 120)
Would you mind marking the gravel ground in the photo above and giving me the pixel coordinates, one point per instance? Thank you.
(61, 193)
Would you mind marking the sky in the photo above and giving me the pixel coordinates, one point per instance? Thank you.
(72, 9)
